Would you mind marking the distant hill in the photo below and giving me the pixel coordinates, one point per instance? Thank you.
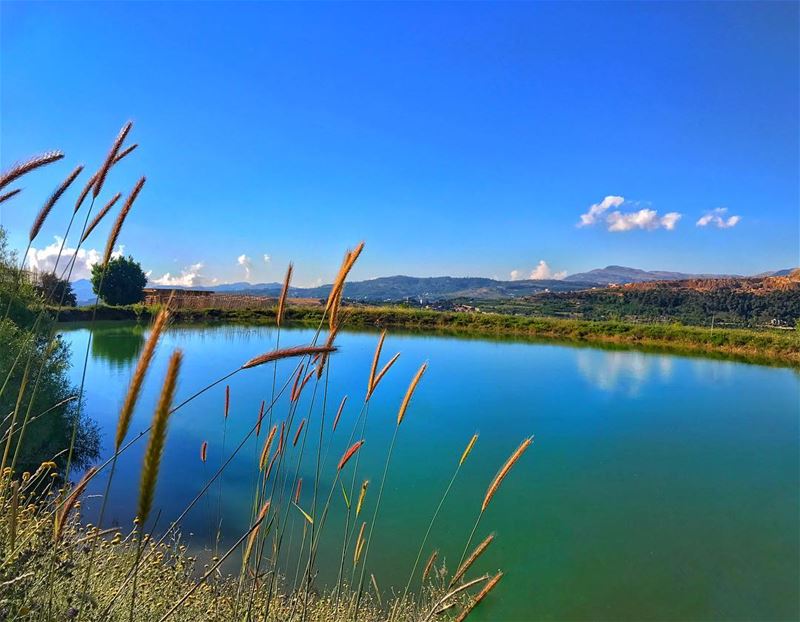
(83, 291)
(442, 288)
(394, 288)
(621, 274)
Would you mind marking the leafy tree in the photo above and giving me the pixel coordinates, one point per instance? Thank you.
(122, 283)
(56, 291)
(29, 341)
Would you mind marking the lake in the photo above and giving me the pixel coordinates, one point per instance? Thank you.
(658, 487)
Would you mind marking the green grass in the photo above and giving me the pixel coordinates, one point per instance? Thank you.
(765, 346)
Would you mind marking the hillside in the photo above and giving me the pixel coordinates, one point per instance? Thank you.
(622, 274)
(766, 301)
(420, 290)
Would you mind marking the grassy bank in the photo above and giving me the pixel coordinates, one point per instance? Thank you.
(49, 576)
(774, 347)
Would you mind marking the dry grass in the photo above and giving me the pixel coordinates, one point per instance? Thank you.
(123, 214)
(158, 436)
(44, 212)
(23, 168)
(135, 386)
(503, 472)
(102, 173)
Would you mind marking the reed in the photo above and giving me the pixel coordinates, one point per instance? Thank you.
(481, 595)
(251, 540)
(44, 212)
(349, 454)
(137, 380)
(123, 214)
(464, 456)
(361, 496)
(23, 168)
(493, 487)
(102, 173)
(298, 432)
(429, 564)
(93, 179)
(468, 449)
(339, 413)
(410, 393)
(335, 295)
(99, 216)
(503, 472)
(211, 587)
(284, 353)
(375, 359)
(284, 294)
(9, 195)
(322, 359)
(400, 416)
(359, 544)
(267, 445)
(69, 504)
(158, 437)
(260, 418)
(382, 373)
(471, 559)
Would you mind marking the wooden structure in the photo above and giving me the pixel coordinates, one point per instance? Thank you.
(157, 295)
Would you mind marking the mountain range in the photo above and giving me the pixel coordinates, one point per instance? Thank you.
(397, 288)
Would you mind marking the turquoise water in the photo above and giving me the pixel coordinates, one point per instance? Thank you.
(658, 487)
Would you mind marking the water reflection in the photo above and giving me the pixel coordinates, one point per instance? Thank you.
(625, 372)
(119, 346)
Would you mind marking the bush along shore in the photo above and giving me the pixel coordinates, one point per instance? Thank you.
(763, 346)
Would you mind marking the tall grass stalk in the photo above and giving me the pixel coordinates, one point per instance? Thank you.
(400, 416)
(463, 459)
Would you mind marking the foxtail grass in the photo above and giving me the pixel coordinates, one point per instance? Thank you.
(44, 212)
(123, 214)
(23, 168)
(102, 173)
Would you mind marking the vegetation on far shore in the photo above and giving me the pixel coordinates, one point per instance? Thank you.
(766, 346)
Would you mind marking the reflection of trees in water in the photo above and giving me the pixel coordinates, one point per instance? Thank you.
(118, 345)
(50, 416)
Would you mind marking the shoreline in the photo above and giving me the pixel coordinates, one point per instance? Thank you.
(763, 347)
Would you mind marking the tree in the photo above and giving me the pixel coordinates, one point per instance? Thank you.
(121, 284)
(56, 291)
(30, 347)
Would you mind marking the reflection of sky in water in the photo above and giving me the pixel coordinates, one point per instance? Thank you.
(623, 371)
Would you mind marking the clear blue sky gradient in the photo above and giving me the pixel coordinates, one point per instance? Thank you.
(459, 139)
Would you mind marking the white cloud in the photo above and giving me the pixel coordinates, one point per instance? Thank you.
(717, 219)
(540, 272)
(617, 220)
(598, 209)
(647, 219)
(543, 271)
(189, 277)
(44, 259)
(670, 219)
(267, 258)
(244, 261)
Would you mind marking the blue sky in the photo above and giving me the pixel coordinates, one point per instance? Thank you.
(460, 139)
